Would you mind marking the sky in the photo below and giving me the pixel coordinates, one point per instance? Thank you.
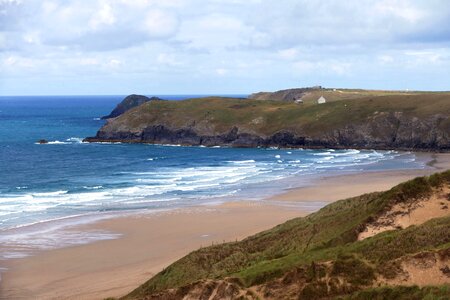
(106, 47)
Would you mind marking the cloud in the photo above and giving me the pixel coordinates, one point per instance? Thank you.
(94, 26)
(247, 45)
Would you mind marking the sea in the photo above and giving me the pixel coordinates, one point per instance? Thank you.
(47, 189)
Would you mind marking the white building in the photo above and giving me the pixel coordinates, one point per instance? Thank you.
(321, 100)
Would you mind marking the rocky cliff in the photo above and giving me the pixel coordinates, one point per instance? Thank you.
(128, 103)
(413, 122)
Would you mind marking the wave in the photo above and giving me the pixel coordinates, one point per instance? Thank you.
(96, 187)
(242, 161)
(155, 158)
(71, 140)
(54, 143)
(322, 153)
(23, 241)
(49, 194)
(75, 140)
(166, 185)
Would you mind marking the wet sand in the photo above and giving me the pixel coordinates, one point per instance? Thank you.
(152, 241)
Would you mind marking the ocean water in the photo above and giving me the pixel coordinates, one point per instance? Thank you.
(46, 189)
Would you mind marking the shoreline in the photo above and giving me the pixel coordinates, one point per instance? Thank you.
(151, 241)
(95, 140)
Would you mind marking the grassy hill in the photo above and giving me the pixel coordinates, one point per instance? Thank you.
(402, 121)
(223, 113)
(352, 249)
(310, 95)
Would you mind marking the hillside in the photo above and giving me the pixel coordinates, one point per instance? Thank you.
(128, 103)
(311, 94)
(398, 121)
(385, 245)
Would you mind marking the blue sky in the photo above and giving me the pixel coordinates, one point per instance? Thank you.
(70, 47)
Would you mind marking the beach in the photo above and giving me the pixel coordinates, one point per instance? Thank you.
(150, 242)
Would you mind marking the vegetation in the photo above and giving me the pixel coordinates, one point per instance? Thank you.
(322, 251)
(214, 115)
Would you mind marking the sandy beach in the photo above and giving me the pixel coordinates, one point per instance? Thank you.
(152, 241)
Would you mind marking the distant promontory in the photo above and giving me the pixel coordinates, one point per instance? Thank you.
(308, 117)
(128, 103)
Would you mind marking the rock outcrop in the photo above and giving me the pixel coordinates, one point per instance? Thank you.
(128, 103)
(384, 131)
(398, 122)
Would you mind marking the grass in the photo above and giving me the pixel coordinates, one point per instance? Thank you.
(327, 235)
(217, 115)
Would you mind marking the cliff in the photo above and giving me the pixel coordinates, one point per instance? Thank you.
(384, 245)
(128, 103)
(418, 121)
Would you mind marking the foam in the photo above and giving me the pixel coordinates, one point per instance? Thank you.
(322, 153)
(54, 143)
(75, 140)
(242, 161)
(49, 194)
(170, 186)
(96, 187)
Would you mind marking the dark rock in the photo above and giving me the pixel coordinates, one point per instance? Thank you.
(446, 271)
(386, 131)
(128, 103)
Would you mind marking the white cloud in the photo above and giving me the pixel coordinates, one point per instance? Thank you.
(10, 61)
(385, 59)
(221, 71)
(105, 16)
(114, 63)
(251, 45)
(159, 23)
(334, 67)
(168, 60)
(289, 53)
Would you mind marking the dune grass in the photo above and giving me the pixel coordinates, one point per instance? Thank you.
(327, 235)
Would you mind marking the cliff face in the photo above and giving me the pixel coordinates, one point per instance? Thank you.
(128, 103)
(392, 130)
(385, 123)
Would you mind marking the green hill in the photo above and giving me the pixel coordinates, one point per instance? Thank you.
(312, 94)
(378, 121)
(358, 248)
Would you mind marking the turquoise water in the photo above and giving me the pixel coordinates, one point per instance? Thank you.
(68, 178)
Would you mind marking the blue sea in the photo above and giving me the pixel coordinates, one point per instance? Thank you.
(46, 189)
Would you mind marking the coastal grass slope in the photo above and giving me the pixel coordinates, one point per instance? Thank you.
(312, 94)
(326, 254)
(397, 121)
